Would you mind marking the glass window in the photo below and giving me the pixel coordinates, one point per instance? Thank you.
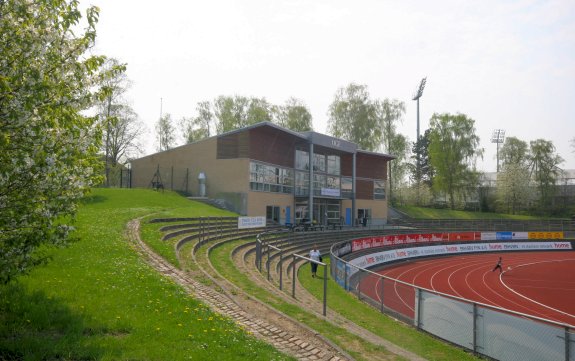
(346, 187)
(319, 163)
(379, 189)
(267, 178)
(333, 164)
(301, 183)
(332, 182)
(301, 159)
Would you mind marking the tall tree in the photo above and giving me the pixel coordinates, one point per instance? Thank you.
(421, 147)
(453, 150)
(239, 111)
(191, 130)
(544, 165)
(48, 148)
(294, 115)
(353, 116)
(120, 123)
(389, 113)
(513, 181)
(165, 132)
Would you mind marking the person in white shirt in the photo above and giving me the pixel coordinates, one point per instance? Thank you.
(316, 256)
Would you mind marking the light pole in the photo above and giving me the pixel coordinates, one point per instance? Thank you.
(416, 97)
(498, 137)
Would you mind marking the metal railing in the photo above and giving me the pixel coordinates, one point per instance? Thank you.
(484, 329)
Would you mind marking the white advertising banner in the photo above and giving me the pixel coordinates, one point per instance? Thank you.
(405, 253)
(251, 222)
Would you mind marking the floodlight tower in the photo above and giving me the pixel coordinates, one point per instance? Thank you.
(498, 137)
(416, 97)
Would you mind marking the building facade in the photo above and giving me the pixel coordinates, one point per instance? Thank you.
(287, 176)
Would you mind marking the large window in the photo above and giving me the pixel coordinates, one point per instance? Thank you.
(379, 189)
(301, 184)
(319, 163)
(267, 178)
(346, 187)
(333, 164)
(301, 159)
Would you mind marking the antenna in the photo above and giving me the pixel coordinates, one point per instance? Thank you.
(498, 137)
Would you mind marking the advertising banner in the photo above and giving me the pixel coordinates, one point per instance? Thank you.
(251, 222)
(406, 253)
(546, 235)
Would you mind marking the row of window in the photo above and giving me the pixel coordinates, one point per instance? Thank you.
(330, 164)
(267, 178)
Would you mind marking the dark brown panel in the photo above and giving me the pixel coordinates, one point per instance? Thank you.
(347, 165)
(371, 166)
(273, 146)
(364, 189)
(233, 146)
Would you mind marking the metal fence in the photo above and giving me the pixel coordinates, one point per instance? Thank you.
(487, 330)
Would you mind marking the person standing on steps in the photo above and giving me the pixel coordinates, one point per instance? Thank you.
(498, 265)
(316, 256)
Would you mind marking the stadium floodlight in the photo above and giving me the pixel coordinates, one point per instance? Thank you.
(416, 97)
(498, 137)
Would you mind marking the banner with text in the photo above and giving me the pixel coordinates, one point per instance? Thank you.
(251, 222)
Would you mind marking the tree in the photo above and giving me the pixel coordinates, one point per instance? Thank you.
(120, 123)
(453, 151)
(294, 115)
(389, 113)
(239, 112)
(544, 166)
(48, 148)
(426, 172)
(353, 116)
(165, 132)
(513, 180)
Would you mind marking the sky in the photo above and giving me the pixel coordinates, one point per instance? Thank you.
(508, 65)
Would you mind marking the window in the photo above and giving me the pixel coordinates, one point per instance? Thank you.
(267, 178)
(301, 184)
(333, 164)
(319, 163)
(346, 187)
(301, 159)
(379, 189)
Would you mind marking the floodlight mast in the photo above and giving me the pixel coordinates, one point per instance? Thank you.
(416, 97)
(498, 137)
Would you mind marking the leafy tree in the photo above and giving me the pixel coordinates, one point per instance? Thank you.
(239, 111)
(166, 133)
(48, 148)
(294, 115)
(389, 113)
(544, 166)
(513, 180)
(453, 151)
(426, 172)
(120, 123)
(192, 131)
(514, 151)
(353, 116)
(205, 117)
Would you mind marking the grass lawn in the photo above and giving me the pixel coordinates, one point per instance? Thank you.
(369, 318)
(97, 300)
(434, 213)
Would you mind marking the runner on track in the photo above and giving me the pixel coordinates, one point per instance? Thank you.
(498, 265)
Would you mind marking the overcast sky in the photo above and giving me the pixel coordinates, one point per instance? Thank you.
(506, 64)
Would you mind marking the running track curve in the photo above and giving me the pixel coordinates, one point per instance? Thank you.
(541, 284)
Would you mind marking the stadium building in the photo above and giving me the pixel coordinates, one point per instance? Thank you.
(265, 169)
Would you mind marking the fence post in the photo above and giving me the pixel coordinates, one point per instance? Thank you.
(281, 268)
(418, 305)
(382, 280)
(293, 277)
(567, 346)
(325, 289)
(172, 179)
(268, 261)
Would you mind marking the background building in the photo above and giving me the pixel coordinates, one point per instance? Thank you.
(264, 169)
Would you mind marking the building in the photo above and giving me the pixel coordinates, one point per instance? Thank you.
(264, 169)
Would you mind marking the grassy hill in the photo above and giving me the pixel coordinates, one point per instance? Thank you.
(97, 300)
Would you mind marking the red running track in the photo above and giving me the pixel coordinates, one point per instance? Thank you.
(541, 284)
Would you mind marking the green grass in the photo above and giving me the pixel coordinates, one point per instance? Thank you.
(371, 319)
(434, 213)
(220, 258)
(97, 300)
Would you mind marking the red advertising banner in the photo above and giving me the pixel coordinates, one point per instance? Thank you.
(465, 236)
